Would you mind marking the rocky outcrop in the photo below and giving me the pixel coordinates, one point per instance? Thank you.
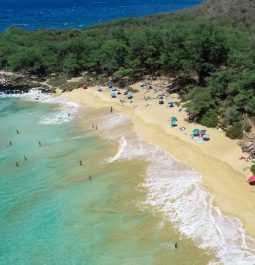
(11, 83)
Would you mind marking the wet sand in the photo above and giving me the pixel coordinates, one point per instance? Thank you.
(223, 173)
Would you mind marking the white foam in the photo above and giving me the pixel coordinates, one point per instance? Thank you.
(177, 191)
(33, 94)
(112, 121)
(123, 144)
(65, 111)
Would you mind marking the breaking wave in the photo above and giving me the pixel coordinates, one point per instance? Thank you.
(176, 191)
(65, 111)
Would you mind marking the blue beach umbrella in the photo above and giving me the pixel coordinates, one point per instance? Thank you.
(196, 131)
(170, 104)
(129, 95)
(203, 132)
(113, 94)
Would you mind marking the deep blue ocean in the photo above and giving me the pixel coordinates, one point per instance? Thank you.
(33, 14)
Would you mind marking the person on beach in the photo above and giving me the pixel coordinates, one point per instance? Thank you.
(176, 245)
(90, 178)
(40, 144)
(17, 164)
(17, 131)
(96, 127)
(10, 143)
(25, 158)
(69, 114)
(81, 163)
(111, 109)
(93, 125)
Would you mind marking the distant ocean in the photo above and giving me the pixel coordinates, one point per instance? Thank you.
(33, 14)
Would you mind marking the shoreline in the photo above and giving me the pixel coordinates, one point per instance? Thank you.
(222, 173)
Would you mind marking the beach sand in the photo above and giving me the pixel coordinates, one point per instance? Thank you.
(223, 173)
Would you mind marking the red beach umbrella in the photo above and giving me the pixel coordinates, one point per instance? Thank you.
(251, 180)
(85, 85)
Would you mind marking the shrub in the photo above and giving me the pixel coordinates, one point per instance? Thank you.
(235, 131)
(209, 119)
(125, 72)
(253, 169)
(247, 126)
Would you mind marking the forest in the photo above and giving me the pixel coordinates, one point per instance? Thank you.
(217, 54)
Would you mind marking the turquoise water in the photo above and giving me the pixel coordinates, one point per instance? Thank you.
(134, 209)
(51, 213)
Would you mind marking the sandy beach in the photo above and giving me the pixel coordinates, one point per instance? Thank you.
(218, 160)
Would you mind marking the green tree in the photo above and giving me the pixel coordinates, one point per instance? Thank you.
(112, 55)
(209, 119)
(253, 169)
(206, 49)
(235, 131)
(29, 59)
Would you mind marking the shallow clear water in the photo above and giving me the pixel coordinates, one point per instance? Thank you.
(34, 14)
(137, 204)
(51, 213)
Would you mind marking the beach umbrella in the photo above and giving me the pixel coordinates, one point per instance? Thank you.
(173, 118)
(251, 180)
(203, 132)
(196, 131)
(113, 95)
(170, 104)
(85, 86)
(142, 85)
(161, 101)
(129, 95)
(110, 85)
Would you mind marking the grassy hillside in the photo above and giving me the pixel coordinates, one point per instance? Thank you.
(211, 44)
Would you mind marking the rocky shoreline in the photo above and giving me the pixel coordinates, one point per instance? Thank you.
(11, 83)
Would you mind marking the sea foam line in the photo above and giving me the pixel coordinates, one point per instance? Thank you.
(177, 192)
(65, 111)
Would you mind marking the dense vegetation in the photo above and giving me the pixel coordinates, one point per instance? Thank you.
(253, 169)
(220, 56)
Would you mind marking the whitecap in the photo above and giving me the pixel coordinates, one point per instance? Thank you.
(177, 192)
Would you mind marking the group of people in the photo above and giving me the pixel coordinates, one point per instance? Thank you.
(40, 144)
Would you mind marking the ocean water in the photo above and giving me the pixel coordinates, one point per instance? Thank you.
(51, 213)
(32, 14)
(132, 211)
